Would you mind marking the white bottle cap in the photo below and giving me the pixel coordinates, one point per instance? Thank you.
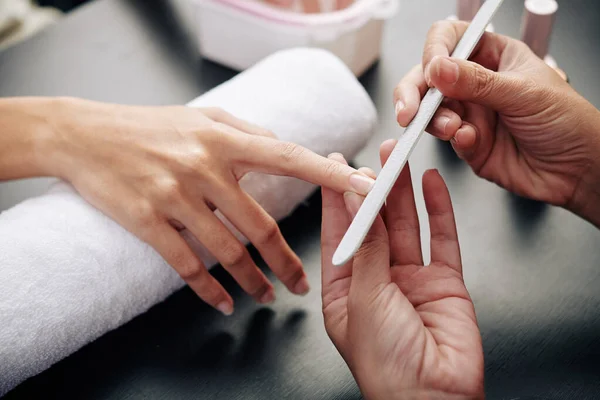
(466, 9)
(537, 25)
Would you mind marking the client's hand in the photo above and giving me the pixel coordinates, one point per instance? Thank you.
(158, 169)
(511, 117)
(406, 331)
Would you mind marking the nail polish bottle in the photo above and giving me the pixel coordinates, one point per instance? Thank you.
(536, 29)
(466, 10)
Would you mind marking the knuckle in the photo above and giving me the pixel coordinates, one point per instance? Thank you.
(147, 217)
(269, 233)
(290, 152)
(371, 248)
(169, 190)
(481, 83)
(190, 269)
(234, 255)
(332, 169)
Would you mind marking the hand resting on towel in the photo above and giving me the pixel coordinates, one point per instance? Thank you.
(156, 170)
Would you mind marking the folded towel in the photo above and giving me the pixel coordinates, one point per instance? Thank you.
(69, 274)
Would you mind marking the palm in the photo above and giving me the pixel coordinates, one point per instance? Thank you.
(416, 326)
(444, 340)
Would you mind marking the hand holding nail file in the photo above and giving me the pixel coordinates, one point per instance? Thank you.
(367, 213)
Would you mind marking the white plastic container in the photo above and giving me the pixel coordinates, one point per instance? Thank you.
(239, 33)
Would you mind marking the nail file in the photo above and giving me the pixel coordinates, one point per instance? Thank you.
(367, 213)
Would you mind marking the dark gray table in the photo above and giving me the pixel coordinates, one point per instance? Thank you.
(533, 270)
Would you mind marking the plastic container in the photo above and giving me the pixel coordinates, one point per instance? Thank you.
(239, 33)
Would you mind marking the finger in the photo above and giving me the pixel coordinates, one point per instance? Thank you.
(401, 218)
(342, 4)
(173, 248)
(443, 36)
(263, 232)
(444, 124)
(408, 94)
(311, 6)
(456, 106)
(371, 264)
(335, 281)
(228, 250)
(367, 171)
(444, 239)
(469, 81)
(289, 159)
(222, 116)
(465, 141)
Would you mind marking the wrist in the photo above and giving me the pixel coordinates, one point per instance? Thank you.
(586, 197)
(27, 137)
(421, 394)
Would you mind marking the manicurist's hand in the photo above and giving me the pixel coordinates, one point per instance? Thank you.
(407, 331)
(511, 117)
(156, 170)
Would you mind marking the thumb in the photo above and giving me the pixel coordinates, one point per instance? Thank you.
(469, 81)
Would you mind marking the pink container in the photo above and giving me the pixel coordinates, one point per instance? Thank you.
(239, 33)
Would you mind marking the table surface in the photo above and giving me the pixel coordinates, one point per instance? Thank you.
(533, 270)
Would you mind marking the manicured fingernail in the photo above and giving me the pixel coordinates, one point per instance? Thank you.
(268, 297)
(444, 123)
(447, 70)
(353, 202)
(225, 307)
(361, 184)
(399, 107)
(302, 287)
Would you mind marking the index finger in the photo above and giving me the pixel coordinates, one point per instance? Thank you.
(271, 156)
(443, 36)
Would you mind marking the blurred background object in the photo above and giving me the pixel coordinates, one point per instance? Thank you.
(20, 19)
(239, 33)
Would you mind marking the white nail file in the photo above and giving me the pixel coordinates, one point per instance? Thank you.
(367, 213)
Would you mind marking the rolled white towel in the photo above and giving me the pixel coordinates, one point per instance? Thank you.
(69, 274)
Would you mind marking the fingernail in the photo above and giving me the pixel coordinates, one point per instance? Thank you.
(302, 287)
(361, 184)
(454, 140)
(399, 107)
(427, 74)
(336, 156)
(225, 307)
(444, 122)
(353, 202)
(447, 70)
(268, 297)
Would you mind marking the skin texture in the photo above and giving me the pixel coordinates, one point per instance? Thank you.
(512, 118)
(406, 331)
(156, 170)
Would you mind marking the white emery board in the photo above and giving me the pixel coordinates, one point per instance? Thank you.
(356, 233)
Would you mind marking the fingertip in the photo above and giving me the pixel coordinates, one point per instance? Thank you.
(386, 148)
(339, 157)
(353, 202)
(368, 172)
(464, 140)
(302, 287)
(225, 307)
